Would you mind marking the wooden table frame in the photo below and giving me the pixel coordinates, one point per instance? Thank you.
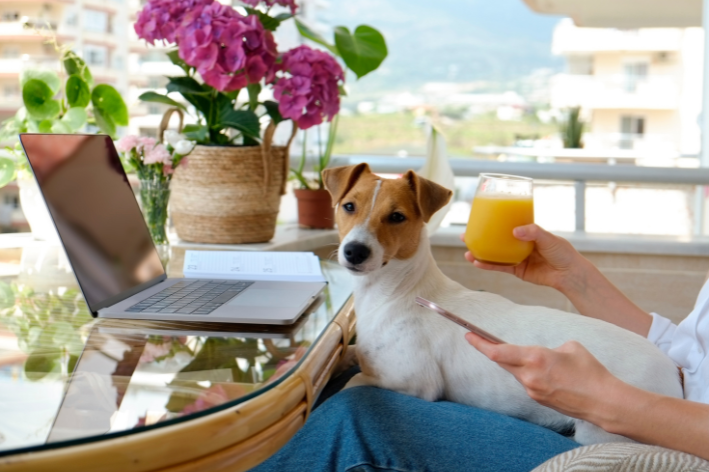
(235, 439)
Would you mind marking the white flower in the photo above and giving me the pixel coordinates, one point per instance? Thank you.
(183, 147)
(173, 137)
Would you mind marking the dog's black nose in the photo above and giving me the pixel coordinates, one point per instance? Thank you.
(356, 253)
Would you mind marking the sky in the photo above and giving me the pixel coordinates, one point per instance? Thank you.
(497, 41)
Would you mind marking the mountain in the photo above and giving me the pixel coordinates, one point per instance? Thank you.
(495, 42)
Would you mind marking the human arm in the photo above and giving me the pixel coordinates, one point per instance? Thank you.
(570, 379)
(555, 263)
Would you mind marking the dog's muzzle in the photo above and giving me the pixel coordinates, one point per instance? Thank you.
(356, 253)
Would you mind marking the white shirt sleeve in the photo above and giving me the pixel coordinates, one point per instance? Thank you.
(661, 332)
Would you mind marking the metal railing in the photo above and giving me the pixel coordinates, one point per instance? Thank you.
(580, 174)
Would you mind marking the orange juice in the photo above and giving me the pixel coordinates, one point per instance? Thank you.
(489, 233)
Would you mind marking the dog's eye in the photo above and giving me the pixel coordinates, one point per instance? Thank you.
(396, 217)
(349, 207)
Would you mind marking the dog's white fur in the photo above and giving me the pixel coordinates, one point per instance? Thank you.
(417, 352)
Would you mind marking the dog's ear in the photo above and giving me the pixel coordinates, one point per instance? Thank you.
(339, 180)
(430, 196)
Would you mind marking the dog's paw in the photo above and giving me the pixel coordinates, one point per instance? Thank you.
(361, 380)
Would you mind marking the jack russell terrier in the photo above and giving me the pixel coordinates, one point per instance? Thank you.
(411, 350)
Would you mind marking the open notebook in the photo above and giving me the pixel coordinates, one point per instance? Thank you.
(251, 265)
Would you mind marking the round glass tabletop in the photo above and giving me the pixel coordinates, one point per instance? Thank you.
(65, 376)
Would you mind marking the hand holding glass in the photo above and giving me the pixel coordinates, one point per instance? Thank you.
(501, 203)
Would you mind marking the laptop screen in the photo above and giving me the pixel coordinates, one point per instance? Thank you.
(95, 213)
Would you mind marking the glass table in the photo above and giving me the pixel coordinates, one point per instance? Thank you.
(139, 395)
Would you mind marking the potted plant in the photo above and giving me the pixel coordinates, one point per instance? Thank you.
(46, 110)
(230, 193)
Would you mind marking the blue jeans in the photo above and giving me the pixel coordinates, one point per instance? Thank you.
(365, 429)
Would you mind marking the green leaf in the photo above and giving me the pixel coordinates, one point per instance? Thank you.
(198, 133)
(254, 90)
(273, 112)
(49, 77)
(38, 100)
(78, 93)
(75, 118)
(364, 51)
(110, 103)
(185, 85)
(41, 362)
(45, 126)
(271, 23)
(175, 58)
(157, 98)
(104, 122)
(7, 174)
(60, 127)
(245, 121)
(74, 65)
(308, 33)
(32, 126)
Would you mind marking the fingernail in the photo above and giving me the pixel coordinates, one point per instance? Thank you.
(519, 232)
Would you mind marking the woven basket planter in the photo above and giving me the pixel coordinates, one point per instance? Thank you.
(229, 194)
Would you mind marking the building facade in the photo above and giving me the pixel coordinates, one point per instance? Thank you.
(638, 89)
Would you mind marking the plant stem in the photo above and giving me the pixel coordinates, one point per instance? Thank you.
(332, 133)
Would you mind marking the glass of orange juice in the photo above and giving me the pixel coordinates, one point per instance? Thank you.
(501, 203)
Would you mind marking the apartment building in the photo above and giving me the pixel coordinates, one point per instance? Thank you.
(638, 88)
(95, 29)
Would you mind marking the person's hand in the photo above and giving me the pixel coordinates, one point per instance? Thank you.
(552, 262)
(568, 379)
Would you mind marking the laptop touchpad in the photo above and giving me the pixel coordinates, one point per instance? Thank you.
(269, 298)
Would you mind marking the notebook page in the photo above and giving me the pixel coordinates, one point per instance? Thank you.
(283, 266)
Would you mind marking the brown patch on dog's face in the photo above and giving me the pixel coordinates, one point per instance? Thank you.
(394, 219)
(385, 215)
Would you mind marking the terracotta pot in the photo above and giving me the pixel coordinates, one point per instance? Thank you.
(315, 209)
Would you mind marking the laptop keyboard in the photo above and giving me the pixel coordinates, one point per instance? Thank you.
(196, 297)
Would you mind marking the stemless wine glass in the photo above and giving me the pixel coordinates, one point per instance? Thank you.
(501, 203)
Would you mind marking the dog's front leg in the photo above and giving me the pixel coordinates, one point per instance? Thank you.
(362, 380)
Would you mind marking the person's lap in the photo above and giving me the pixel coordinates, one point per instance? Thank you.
(365, 429)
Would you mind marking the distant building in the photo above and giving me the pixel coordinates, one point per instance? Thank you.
(95, 29)
(640, 89)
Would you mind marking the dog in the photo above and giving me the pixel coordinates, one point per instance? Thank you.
(409, 349)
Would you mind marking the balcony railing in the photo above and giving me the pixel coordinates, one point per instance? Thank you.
(579, 174)
(653, 92)
(569, 39)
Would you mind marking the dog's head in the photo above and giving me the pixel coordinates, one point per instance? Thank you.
(380, 219)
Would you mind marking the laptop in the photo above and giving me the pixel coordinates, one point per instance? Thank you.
(113, 256)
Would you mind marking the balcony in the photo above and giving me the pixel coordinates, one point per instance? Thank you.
(655, 92)
(569, 39)
(13, 67)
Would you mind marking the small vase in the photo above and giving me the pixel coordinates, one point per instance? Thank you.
(154, 196)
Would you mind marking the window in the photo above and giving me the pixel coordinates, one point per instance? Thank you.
(11, 15)
(95, 55)
(154, 109)
(11, 91)
(96, 21)
(11, 52)
(155, 83)
(633, 74)
(12, 201)
(631, 128)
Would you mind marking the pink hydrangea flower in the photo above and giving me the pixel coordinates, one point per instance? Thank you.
(159, 19)
(157, 155)
(126, 143)
(229, 50)
(269, 3)
(309, 90)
